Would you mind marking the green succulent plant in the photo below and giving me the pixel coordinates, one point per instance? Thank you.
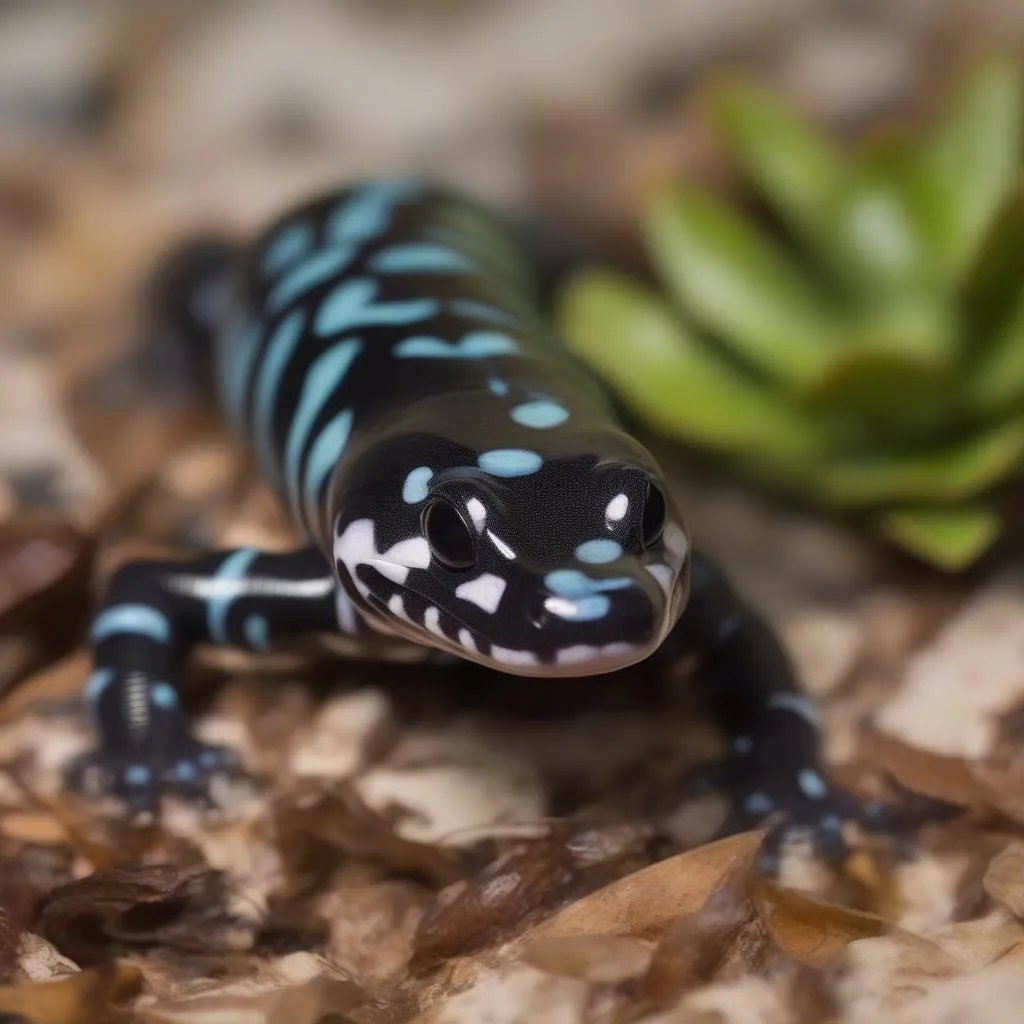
(861, 347)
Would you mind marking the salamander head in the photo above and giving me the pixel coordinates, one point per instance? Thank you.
(569, 565)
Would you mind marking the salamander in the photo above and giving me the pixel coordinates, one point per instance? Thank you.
(465, 488)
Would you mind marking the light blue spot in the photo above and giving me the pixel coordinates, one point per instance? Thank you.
(477, 345)
(831, 822)
(275, 360)
(497, 386)
(415, 487)
(163, 695)
(322, 379)
(811, 783)
(233, 568)
(257, 633)
(742, 745)
(510, 462)
(132, 618)
(482, 311)
(185, 771)
(581, 609)
(598, 552)
(758, 803)
(367, 213)
(420, 257)
(291, 242)
(323, 457)
(210, 758)
(541, 415)
(137, 774)
(572, 583)
(351, 305)
(312, 271)
(98, 681)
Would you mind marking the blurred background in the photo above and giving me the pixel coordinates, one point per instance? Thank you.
(810, 216)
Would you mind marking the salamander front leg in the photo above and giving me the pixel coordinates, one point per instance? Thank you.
(774, 769)
(154, 613)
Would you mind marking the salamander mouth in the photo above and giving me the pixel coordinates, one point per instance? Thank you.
(572, 660)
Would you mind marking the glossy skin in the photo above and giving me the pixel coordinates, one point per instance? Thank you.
(383, 352)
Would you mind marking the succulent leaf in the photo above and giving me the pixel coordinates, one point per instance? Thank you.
(869, 357)
(972, 158)
(631, 337)
(794, 166)
(951, 538)
(739, 285)
(950, 473)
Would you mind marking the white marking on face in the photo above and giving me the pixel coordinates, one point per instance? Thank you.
(466, 639)
(503, 654)
(485, 592)
(501, 545)
(432, 621)
(397, 606)
(357, 546)
(616, 508)
(477, 512)
(584, 653)
(664, 575)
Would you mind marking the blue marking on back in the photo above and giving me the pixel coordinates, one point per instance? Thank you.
(477, 345)
(497, 386)
(291, 242)
(811, 784)
(483, 311)
(758, 803)
(322, 379)
(98, 681)
(420, 257)
(415, 487)
(598, 552)
(323, 457)
(540, 415)
(279, 351)
(367, 213)
(231, 570)
(314, 270)
(351, 305)
(137, 774)
(131, 618)
(509, 462)
(237, 357)
(162, 695)
(257, 633)
(185, 771)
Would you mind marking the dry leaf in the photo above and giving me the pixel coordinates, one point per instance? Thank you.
(85, 998)
(601, 959)
(138, 907)
(646, 903)
(810, 930)
(698, 943)
(1004, 880)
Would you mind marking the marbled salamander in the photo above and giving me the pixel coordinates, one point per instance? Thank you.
(465, 488)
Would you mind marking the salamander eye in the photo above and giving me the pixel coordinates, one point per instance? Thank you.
(655, 516)
(450, 539)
